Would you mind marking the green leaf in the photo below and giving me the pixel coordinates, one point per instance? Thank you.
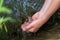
(6, 10)
(0, 26)
(5, 19)
(1, 20)
(1, 3)
(5, 28)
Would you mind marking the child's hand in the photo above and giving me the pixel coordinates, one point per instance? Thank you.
(33, 24)
(39, 18)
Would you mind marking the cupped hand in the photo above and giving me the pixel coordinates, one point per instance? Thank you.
(33, 24)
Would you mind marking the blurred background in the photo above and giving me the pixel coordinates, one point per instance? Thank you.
(21, 9)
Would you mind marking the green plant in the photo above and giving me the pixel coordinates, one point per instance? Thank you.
(4, 9)
(3, 20)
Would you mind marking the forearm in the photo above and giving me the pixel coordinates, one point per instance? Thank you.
(49, 7)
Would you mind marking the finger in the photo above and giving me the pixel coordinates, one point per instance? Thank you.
(32, 30)
(30, 19)
(26, 29)
(35, 16)
(26, 23)
(24, 26)
(31, 25)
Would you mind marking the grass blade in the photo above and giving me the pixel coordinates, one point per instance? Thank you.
(1, 3)
(6, 10)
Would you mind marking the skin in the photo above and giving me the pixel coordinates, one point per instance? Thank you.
(41, 17)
